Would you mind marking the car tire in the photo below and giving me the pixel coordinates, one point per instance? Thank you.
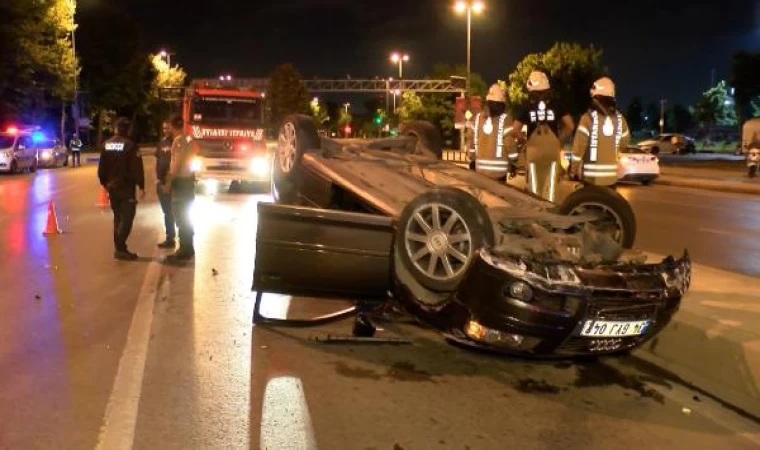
(655, 151)
(428, 225)
(429, 140)
(297, 136)
(752, 171)
(646, 182)
(613, 205)
(33, 167)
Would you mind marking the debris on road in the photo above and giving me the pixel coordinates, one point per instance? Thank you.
(686, 411)
(214, 272)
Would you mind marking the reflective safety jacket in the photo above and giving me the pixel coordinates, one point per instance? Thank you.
(597, 142)
(494, 146)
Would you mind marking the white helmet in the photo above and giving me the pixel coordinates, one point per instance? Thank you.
(497, 94)
(538, 81)
(603, 87)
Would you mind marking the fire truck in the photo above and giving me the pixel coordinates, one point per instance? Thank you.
(226, 119)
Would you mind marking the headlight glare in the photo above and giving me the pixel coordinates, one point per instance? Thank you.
(196, 165)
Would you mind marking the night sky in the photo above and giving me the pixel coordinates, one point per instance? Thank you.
(653, 48)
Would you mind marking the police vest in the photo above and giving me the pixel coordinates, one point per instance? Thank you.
(490, 154)
(600, 160)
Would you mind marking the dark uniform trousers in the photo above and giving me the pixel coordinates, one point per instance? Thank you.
(182, 197)
(124, 206)
(166, 206)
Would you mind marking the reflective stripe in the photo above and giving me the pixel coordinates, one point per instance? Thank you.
(492, 162)
(533, 187)
(513, 155)
(626, 134)
(552, 173)
(477, 131)
(594, 136)
(500, 136)
(600, 166)
(508, 130)
(600, 174)
(492, 169)
(584, 130)
(618, 132)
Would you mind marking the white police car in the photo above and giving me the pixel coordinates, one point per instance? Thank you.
(18, 151)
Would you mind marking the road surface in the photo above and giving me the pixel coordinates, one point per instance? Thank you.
(97, 353)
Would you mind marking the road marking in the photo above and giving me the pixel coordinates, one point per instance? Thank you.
(285, 420)
(118, 429)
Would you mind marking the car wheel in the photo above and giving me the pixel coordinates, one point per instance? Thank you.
(752, 171)
(616, 217)
(429, 140)
(33, 167)
(439, 233)
(655, 151)
(297, 136)
(646, 181)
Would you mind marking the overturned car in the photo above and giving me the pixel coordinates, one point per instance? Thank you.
(485, 263)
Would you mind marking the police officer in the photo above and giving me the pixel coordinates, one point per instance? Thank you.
(163, 162)
(76, 150)
(493, 143)
(180, 183)
(121, 170)
(548, 125)
(602, 132)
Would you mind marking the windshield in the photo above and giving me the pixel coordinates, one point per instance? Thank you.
(223, 111)
(6, 141)
(47, 143)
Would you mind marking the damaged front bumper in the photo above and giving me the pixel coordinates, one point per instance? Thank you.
(521, 306)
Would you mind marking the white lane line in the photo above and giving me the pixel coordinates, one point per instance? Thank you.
(285, 420)
(118, 429)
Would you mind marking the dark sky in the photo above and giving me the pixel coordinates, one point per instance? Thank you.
(653, 48)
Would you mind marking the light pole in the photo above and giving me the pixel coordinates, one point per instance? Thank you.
(346, 105)
(395, 93)
(400, 59)
(469, 7)
(662, 115)
(75, 104)
(168, 56)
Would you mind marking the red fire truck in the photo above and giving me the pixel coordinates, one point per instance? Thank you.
(226, 119)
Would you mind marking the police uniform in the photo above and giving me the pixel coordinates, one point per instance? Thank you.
(493, 143)
(76, 151)
(120, 170)
(543, 146)
(163, 163)
(602, 133)
(182, 181)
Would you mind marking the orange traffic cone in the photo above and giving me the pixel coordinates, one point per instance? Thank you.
(103, 199)
(52, 221)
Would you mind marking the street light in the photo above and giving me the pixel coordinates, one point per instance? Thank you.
(346, 105)
(167, 55)
(400, 59)
(469, 7)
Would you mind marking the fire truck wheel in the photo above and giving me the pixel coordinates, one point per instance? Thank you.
(429, 140)
(616, 217)
(297, 136)
(439, 233)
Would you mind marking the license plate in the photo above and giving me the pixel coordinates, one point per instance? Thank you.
(605, 328)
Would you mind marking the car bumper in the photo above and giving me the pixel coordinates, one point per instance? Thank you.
(254, 170)
(638, 172)
(552, 322)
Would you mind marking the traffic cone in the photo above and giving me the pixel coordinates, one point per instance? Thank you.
(52, 221)
(103, 199)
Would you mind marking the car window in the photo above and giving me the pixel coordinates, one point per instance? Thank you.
(24, 143)
(7, 141)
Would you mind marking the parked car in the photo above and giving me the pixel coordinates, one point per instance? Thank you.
(635, 164)
(51, 153)
(484, 263)
(18, 151)
(669, 143)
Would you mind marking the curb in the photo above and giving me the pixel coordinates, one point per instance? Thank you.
(717, 186)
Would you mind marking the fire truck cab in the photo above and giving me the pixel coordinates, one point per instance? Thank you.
(227, 122)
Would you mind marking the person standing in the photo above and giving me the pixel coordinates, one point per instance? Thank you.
(120, 170)
(163, 163)
(180, 184)
(76, 150)
(494, 147)
(601, 134)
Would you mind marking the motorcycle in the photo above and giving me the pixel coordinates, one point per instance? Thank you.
(753, 161)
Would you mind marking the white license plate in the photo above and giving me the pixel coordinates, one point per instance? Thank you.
(605, 328)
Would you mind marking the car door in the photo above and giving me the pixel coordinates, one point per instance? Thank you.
(322, 253)
(24, 148)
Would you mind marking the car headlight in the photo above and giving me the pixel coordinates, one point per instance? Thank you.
(196, 165)
(561, 274)
(5, 154)
(259, 166)
(47, 154)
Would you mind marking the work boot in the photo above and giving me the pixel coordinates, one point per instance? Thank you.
(168, 243)
(125, 255)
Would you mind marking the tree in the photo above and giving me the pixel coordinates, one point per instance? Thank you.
(286, 94)
(166, 77)
(679, 119)
(635, 114)
(117, 74)
(38, 62)
(714, 108)
(571, 68)
(745, 68)
(319, 113)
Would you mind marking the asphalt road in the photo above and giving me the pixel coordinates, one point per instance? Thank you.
(96, 353)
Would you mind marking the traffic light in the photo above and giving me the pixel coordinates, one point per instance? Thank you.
(378, 119)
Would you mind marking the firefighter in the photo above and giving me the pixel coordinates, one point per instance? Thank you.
(76, 150)
(163, 162)
(548, 125)
(601, 134)
(180, 183)
(120, 170)
(493, 143)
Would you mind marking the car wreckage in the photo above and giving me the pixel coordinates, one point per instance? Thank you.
(485, 263)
